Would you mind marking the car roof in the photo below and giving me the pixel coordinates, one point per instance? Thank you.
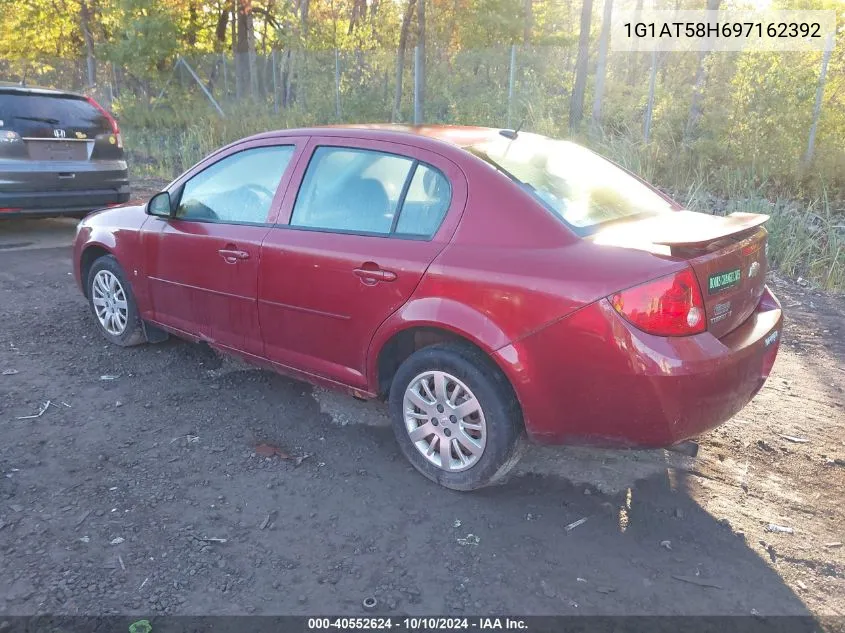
(8, 87)
(460, 136)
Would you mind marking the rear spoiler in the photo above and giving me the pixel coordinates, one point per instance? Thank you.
(696, 229)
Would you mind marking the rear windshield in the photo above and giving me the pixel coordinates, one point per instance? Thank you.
(31, 113)
(577, 185)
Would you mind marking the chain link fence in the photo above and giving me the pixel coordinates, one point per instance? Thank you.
(173, 113)
(488, 84)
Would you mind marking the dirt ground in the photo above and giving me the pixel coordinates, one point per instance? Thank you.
(143, 487)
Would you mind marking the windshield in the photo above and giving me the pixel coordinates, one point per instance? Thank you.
(577, 185)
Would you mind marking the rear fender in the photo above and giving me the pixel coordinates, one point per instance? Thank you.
(440, 313)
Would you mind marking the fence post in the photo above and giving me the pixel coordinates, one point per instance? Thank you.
(417, 85)
(511, 79)
(649, 112)
(115, 81)
(337, 84)
(817, 107)
(225, 76)
(275, 85)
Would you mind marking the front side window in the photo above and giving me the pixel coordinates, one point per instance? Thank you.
(239, 189)
(579, 186)
(364, 191)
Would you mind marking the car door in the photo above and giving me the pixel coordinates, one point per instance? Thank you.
(202, 263)
(352, 243)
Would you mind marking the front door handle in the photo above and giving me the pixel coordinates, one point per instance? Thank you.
(232, 254)
(372, 274)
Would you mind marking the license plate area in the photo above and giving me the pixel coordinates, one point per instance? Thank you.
(58, 150)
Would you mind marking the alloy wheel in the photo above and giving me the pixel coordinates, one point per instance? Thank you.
(444, 421)
(109, 299)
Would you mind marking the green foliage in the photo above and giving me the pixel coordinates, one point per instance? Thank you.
(146, 39)
(748, 145)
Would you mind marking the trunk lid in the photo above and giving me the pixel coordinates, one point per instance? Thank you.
(727, 254)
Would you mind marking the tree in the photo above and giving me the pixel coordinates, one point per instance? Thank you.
(400, 57)
(698, 88)
(633, 57)
(357, 14)
(419, 65)
(528, 21)
(220, 29)
(85, 27)
(244, 50)
(576, 108)
(601, 65)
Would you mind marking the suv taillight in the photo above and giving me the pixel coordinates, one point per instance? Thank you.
(8, 136)
(115, 128)
(669, 306)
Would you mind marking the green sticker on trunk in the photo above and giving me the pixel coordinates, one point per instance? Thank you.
(723, 281)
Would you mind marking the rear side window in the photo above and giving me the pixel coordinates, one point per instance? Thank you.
(351, 190)
(38, 115)
(238, 189)
(426, 202)
(364, 191)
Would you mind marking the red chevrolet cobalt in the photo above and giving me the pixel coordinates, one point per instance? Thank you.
(491, 285)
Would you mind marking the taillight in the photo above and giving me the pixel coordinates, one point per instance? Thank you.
(669, 306)
(9, 136)
(115, 128)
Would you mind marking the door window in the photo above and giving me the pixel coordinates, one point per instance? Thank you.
(239, 189)
(351, 190)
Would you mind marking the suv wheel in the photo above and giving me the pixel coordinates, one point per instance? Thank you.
(456, 417)
(112, 302)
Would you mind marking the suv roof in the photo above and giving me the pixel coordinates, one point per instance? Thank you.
(7, 87)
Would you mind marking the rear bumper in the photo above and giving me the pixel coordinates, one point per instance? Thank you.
(41, 203)
(32, 188)
(594, 379)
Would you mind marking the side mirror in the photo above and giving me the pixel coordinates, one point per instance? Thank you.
(159, 205)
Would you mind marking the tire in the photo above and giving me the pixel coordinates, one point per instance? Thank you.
(496, 427)
(132, 332)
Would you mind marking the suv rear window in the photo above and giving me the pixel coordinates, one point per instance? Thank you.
(39, 114)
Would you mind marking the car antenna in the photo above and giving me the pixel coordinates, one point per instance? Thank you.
(512, 134)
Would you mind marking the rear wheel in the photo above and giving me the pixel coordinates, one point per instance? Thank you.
(456, 417)
(111, 300)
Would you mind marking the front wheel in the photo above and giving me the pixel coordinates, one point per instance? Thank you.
(112, 302)
(456, 417)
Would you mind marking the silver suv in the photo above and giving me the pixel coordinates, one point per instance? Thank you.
(60, 154)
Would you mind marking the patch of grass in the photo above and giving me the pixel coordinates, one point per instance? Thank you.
(806, 235)
(805, 239)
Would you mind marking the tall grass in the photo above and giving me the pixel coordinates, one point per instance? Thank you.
(807, 235)
(165, 143)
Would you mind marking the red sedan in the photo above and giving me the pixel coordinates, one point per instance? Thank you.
(492, 285)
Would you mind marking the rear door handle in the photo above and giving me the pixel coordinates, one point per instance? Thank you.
(231, 254)
(373, 275)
